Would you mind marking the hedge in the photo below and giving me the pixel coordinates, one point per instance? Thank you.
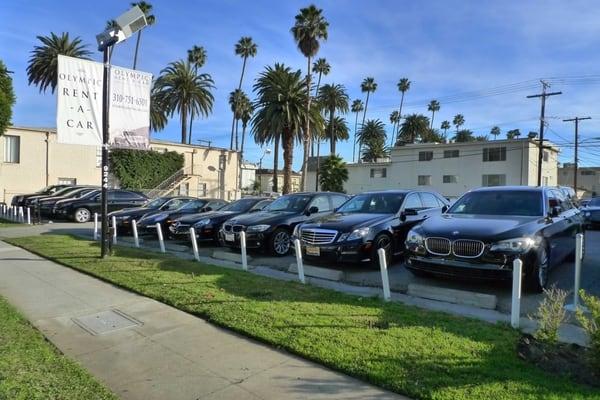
(140, 169)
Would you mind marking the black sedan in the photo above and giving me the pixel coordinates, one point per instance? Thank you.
(123, 218)
(487, 228)
(591, 213)
(271, 229)
(207, 225)
(83, 208)
(47, 205)
(366, 223)
(32, 201)
(47, 191)
(147, 224)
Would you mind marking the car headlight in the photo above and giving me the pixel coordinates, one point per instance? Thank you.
(588, 214)
(258, 228)
(359, 233)
(202, 222)
(516, 245)
(414, 237)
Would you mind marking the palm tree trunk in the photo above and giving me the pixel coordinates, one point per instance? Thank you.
(331, 133)
(276, 161)
(242, 154)
(190, 131)
(243, 71)
(363, 122)
(288, 158)
(183, 124)
(137, 47)
(397, 134)
(318, 166)
(233, 118)
(432, 115)
(354, 146)
(306, 138)
(312, 145)
(237, 123)
(232, 129)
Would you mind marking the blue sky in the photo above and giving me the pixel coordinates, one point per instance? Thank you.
(444, 47)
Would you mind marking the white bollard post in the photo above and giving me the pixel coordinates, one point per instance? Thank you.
(578, 258)
(515, 309)
(194, 244)
(385, 282)
(136, 239)
(95, 226)
(114, 226)
(244, 253)
(299, 260)
(161, 241)
(21, 215)
(28, 216)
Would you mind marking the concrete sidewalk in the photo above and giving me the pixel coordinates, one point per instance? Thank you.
(165, 353)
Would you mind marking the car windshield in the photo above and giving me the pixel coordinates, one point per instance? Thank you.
(595, 202)
(373, 203)
(175, 204)
(289, 203)
(156, 202)
(63, 191)
(239, 205)
(501, 202)
(191, 204)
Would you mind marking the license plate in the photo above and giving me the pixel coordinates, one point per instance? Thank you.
(313, 251)
(229, 237)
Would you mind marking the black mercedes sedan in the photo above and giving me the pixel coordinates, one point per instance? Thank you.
(47, 191)
(83, 208)
(47, 205)
(591, 213)
(32, 201)
(123, 218)
(271, 229)
(207, 225)
(368, 222)
(147, 224)
(487, 228)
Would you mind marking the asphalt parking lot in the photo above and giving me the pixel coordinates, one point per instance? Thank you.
(561, 276)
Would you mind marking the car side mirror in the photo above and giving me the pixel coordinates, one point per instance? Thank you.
(444, 209)
(206, 209)
(312, 210)
(407, 212)
(255, 210)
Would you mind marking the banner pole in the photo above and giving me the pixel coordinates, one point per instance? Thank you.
(105, 99)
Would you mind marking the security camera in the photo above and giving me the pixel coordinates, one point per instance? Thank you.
(131, 21)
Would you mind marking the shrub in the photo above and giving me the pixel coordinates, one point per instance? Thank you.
(143, 169)
(550, 315)
(332, 174)
(591, 324)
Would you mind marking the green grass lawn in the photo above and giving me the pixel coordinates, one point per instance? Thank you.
(4, 223)
(31, 368)
(422, 354)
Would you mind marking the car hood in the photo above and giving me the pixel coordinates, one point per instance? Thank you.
(213, 215)
(591, 209)
(264, 217)
(480, 227)
(347, 222)
(132, 212)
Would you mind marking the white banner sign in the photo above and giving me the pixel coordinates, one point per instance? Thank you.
(79, 110)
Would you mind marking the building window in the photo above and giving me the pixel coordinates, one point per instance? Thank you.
(425, 155)
(546, 156)
(451, 154)
(67, 181)
(545, 181)
(184, 189)
(494, 154)
(12, 149)
(589, 173)
(424, 180)
(378, 172)
(450, 179)
(494, 180)
(202, 189)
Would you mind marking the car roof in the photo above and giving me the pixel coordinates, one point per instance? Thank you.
(314, 193)
(511, 189)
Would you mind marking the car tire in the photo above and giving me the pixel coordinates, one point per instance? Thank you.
(537, 279)
(280, 242)
(382, 241)
(82, 215)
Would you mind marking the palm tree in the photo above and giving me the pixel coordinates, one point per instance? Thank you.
(495, 131)
(433, 106)
(458, 121)
(372, 136)
(42, 69)
(322, 67)
(150, 19)
(281, 101)
(184, 91)
(394, 120)
(333, 98)
(196, 57)
(332, 174)
(340, 129)
(245, 47)
(158, 116)
(246, 111)
(368, 86)
(464, 135)
(403, 86)
(513, 134)
(357, 107)
(310, 27)
(414, 127)
(445, 126)
(236, 100)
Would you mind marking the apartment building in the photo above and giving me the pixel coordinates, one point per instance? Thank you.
(265, 177)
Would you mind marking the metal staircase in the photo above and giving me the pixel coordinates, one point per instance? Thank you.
(171, 183)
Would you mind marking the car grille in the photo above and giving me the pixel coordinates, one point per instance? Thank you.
(467, 248)
(438, 246)
(233, 228)
(318, 236)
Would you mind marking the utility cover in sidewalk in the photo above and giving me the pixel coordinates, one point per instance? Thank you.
(106, 322)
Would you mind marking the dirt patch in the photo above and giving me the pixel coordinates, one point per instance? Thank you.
(568, 360)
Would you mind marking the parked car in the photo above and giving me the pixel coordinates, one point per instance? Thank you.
(48, 190)
(32, 201)
(271, 229)
(591, 213)
(47, 205)
(123, 218)
(368, 222)
(486, 229)
(584, 202)
(207, 225)
(147, 224)
(82, 209)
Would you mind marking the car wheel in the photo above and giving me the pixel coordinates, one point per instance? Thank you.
(82, 215)
(381, 241)
(280, 242)
(538, 276)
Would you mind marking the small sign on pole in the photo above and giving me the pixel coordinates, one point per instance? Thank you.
(244, 251)
(161, 241)
(515, 309)
(385, 282)
(299, 264)
(194, 244)
(136, 239)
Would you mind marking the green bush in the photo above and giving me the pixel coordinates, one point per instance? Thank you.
(591, 324)
(140, 169)
(332, 174)
(550, 314)
(7, 98)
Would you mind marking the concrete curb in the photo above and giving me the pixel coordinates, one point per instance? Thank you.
(227, 256)
(318, 272)
(454, 296)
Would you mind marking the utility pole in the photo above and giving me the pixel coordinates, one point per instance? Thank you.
(543, 96)
(576, 120)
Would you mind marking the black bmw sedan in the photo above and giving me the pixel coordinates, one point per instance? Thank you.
(487, 228)
(591, 213)
(271, 229)
(82, 209)
(366, 223)
(207, 225)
